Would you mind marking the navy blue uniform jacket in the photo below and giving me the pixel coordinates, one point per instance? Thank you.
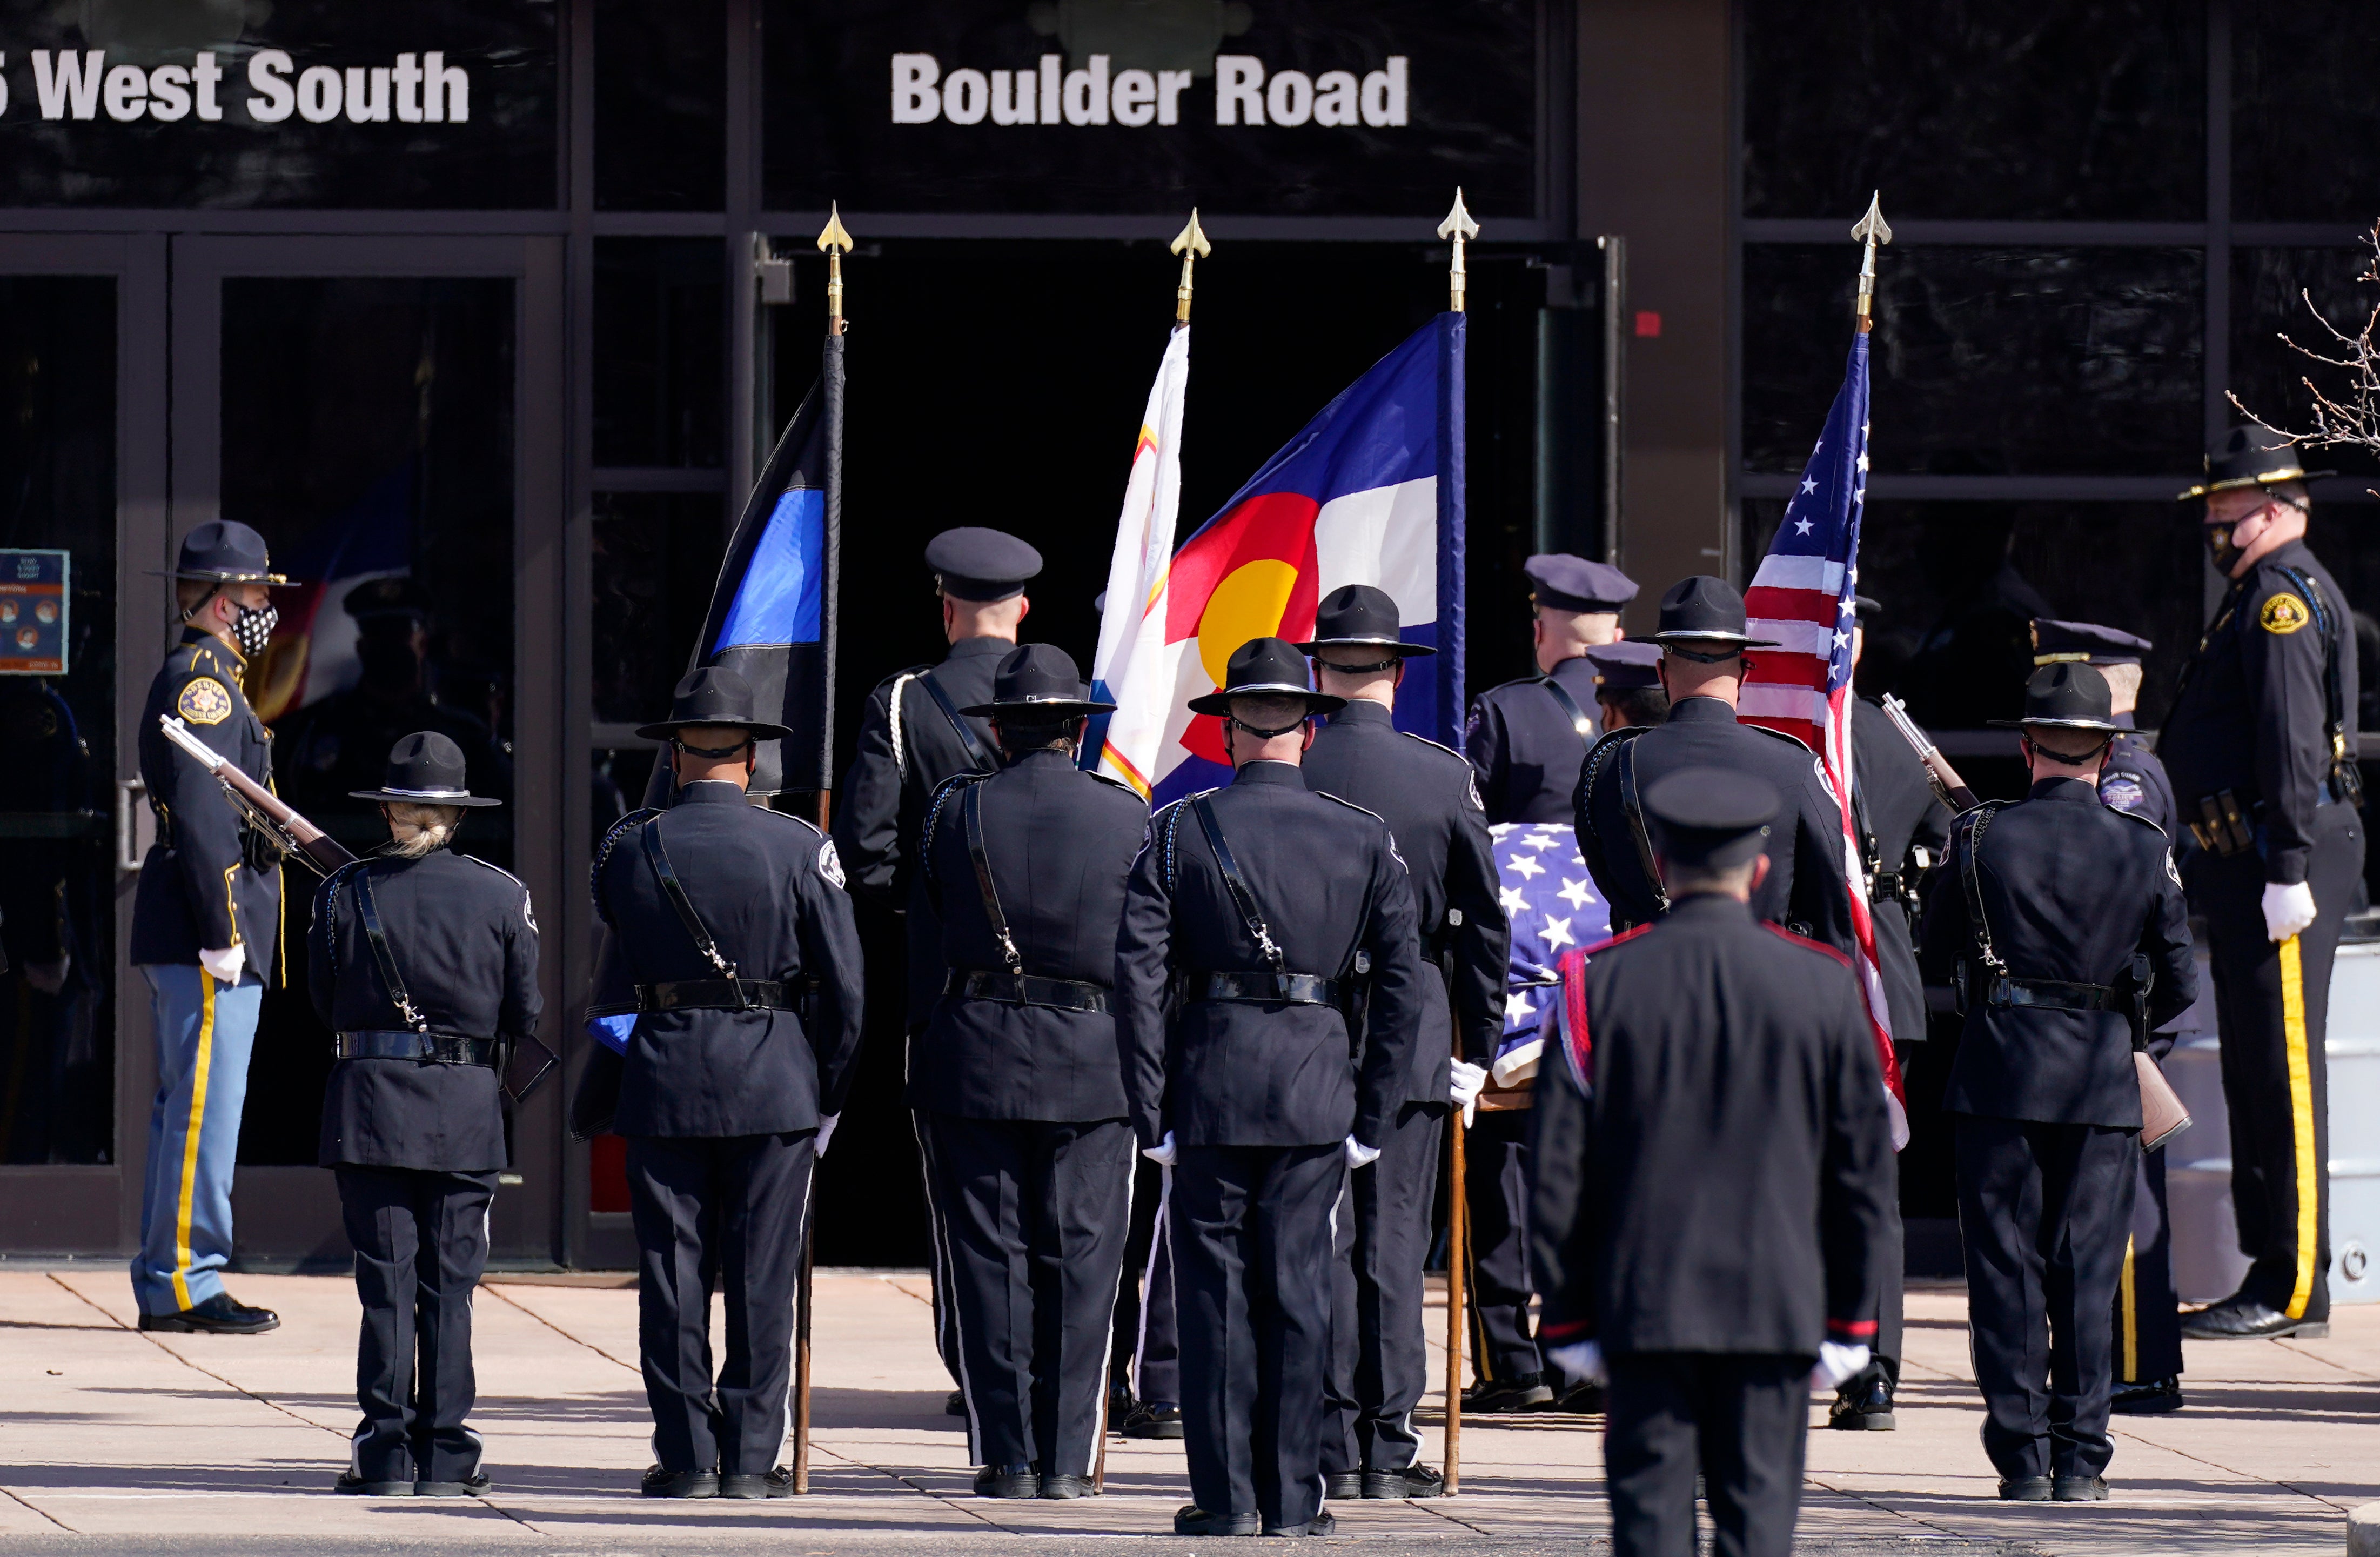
(1524, 745)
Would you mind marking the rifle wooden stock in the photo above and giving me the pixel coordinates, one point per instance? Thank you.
(265, 810)
(1945, 779)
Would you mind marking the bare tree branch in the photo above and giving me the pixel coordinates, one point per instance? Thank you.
(2348, 416)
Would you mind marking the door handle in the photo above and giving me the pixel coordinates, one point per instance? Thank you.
(136, 825)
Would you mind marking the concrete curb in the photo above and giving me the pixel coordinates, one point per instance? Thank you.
(2364, 1531)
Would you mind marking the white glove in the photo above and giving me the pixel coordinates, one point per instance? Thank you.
(2287, 909)
(826, 1132)
(1837, 1362)
(1163, 1152)
(1464, 1088)
(224, 966)
(1359, 1155)
(1582, 1361)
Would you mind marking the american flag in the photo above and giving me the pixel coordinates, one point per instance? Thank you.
(1803, 597)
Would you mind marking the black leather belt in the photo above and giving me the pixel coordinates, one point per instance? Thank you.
(1884, 886)
(2050, 994)
(439, 1048)
(1024, 989)
(719, 994)
(1266, 989)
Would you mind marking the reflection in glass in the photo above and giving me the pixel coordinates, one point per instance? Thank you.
(368, 431)
(660, 80)
(1988, 361)
(57, 872)
(656, 558)
(2306, 133)
(1975, 111)
(660, 327)
(1960, 581)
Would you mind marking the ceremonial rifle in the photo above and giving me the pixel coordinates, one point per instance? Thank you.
(1945, 779)
(265, 811)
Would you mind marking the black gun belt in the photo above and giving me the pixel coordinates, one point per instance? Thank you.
(1266, 989)
(718, 994)
(2050, 994)
(444, 1049)
(1024, 989)
(1884, 886)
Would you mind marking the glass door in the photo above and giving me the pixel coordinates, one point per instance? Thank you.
(373, 407)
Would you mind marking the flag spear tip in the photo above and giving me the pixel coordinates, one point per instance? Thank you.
(833, 237)
(1457, 226)
(1871, 226)
(837, 243)
(1870, 232)
(1191, 239)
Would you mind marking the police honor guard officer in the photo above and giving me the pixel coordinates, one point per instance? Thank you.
(1703, 642)
(2148, 1323)
(424, 963)
(2261, 742)
(1426, 795)
(206, 925)
(1527, 736)
(2061, 921)
(1713, 1170)
(1018, 1077)
(1262, 901)
(739, 956)
(1627, 686)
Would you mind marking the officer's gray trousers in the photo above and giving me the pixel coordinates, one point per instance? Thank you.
(421, 1241)
(1379, 1354)
(725, 1213)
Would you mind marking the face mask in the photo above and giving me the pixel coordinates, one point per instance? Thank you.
(252, 630)
(2219, 546)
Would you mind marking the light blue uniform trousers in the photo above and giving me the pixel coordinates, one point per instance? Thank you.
(205, 1030)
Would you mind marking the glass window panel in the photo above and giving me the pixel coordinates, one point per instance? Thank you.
(58, 883)
(368, 431)
(2271, 290)
(345, 120)
(661, 328)
(1975, 110)
(660, 94)
(1960, 581)
(2305, 124)
(1988, 361)
(656, 558)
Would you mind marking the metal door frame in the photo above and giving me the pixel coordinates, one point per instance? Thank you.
(52, 1209)
(289, 1216)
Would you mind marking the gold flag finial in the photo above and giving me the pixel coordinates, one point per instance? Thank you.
(836, 243)
(1459, 227)
(1870, 231)
(1191, 244)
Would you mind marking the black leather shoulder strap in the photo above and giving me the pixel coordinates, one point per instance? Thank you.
(2325, 622)
(1633, 804)
(1580, 719)
(368, 911)
(1971, 880)
(1241, 896)
(971, 819)
(983, 759)
(1599, 758)
(674, 890)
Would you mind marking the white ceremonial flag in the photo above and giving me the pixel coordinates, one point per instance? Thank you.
(1135, 668)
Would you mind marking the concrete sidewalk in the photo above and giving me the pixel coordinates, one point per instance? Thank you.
(113, 1441)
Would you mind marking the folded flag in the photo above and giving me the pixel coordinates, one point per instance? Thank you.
(1550, 898)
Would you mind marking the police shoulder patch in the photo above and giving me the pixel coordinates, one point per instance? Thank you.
(830, 864)
(204, 701)
(2283, 614)
(2121, 792)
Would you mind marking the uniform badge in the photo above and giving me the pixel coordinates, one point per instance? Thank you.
(2171, 874)
(529, 913)
(1472, 781)
(2283, 615)
(2123, 792)
(205, 702)
(831, 864)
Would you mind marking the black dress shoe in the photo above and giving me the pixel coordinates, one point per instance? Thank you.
(1865, 1405)
(1342, 1484)
(1527, 1393)
(1062, 1488)
(1416, 1480)
(2024, 1488)
(2079, 1488)
(1192, 1520)
(2146, 1399)
(475, 1486)
(218, 1315)
(1152, 1421)
(2239, 1317)
(1008, 1481)
(356, 1486)
(776, 1483)
(1322, 1524)
(659, 1483)
(1585, 1401)
(956, 1405)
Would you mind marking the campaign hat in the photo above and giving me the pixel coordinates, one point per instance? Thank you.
(1039, 680)
(1711, 818)
(224, 552)
(1624, 666)
(1703, 609)
(2086, 642)
(714, 694)
(1266, 667)
(1359, 616)
(391, 598)
(2247, 456)
(1569, 583)
(424, 768)
(2065, 696)
(983, 566)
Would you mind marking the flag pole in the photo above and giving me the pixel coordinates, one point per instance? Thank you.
(1458, 228)
(1872, 231)
(1191, 244)
(836, 243)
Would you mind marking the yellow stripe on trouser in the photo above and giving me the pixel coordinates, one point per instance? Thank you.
(2130, 1372)
(190, 1138)
(2293, 1035)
